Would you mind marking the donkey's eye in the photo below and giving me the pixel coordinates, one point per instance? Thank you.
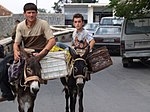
(75, 69)
(84, 69)
(29, 70)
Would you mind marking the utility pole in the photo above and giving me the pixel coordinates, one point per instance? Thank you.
(36, 2)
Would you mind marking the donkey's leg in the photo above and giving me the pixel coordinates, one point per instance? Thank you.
(21, 105)
(30, 109)
(80, 94)
(67, 98)
(73, 97)
(66, 89)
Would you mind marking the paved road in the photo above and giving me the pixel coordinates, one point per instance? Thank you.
(115, 89)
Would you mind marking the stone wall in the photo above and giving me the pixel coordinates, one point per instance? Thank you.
(7, 23)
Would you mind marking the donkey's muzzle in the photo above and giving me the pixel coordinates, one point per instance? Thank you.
(79, 80)
(35, 91)
(34, 87)
(80, 83)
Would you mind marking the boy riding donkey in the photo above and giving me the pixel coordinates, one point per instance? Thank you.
(81, 38)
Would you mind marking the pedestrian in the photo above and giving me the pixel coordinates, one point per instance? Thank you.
(35, 34)
(13, 35)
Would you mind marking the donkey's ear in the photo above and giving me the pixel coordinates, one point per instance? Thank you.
(72, 53)
(86, 52)
(23, 53)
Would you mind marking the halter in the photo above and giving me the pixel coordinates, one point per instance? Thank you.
(30, 78)
(72, 68)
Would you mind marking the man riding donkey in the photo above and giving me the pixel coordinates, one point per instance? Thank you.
(35, 34)
(81, 38)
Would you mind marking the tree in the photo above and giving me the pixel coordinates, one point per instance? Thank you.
(84, 1)
(130, 8)
(41, 10)
(57, 6)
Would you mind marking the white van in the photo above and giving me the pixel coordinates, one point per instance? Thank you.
(135, 40)
(111, 20)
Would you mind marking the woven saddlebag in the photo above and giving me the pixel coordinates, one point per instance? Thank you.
(99, 59)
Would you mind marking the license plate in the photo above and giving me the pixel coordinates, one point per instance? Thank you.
(108, 40)
(142, 44)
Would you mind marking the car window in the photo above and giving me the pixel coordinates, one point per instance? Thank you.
(137, 26)
(91, 26)
(108, 31)
(111, 21)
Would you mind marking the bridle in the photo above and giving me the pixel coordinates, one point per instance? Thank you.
(28, 78)
(73, 68)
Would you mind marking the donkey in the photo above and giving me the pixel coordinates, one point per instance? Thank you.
(75, 81)
(27, 85)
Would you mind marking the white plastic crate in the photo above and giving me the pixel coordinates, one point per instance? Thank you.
(54, 65)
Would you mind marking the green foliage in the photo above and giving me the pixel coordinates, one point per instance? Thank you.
(57, 6)
(41, 10)
(130, 8)
(84, 1)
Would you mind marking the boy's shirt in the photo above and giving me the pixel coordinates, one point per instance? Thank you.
(84, 35)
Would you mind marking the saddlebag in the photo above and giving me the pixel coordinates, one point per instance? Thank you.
(99, 59)
(54, 65)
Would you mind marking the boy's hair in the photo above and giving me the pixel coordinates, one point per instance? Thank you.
(78, 15)
(30, 6)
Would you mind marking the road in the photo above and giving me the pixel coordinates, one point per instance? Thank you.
(114, 89)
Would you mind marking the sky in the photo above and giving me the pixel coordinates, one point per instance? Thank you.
(16, 6)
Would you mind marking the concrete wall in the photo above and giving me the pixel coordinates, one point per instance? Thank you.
(7, 23)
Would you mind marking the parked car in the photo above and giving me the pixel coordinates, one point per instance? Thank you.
(135, 40)
(91, 27)
(108, 36)
(111, 21)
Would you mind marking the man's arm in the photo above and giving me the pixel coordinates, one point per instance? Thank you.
(47, 48)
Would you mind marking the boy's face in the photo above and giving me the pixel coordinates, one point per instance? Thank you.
(78, 23)
(30, 15)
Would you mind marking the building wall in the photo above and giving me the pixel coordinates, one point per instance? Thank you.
(7, 23)
(91, 12)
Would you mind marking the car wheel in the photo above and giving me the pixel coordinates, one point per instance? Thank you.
(144, 59)
(125, 65)
(125, 62)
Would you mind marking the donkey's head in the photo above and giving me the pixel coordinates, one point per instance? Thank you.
(79, 69)
(32, 71)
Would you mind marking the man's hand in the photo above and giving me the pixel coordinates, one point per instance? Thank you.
(16, 55)
(42, 54)
(16, 52)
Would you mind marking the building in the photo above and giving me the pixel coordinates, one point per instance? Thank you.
(92, 12)
(4, 11)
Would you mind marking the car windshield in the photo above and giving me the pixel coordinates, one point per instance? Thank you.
(91, 26)
(108, 31)
(112, 21)
(137, 26)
